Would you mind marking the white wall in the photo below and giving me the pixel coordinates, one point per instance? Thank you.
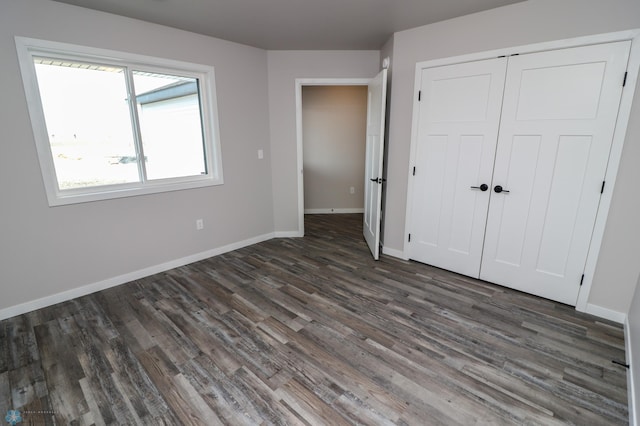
(334, 124)
(46, 250)
(523, 23)
(284, 68)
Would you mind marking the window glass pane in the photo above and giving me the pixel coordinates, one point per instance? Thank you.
(170, 125)
(88, 123)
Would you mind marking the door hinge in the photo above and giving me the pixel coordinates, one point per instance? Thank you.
(624, 80)
(602, 188)
(414, 170)
(409, 237)
(581, 280)
(419, 95)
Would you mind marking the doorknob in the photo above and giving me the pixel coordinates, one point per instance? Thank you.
(499, 189)
(379, 180)
(482, 187)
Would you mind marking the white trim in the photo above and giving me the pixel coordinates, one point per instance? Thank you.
(605, 313)
(288, 234)
(333, 211)
(631, 388)
(394, 253)
(417, 83)
(27, 48)
(615, 155)
(299, 145)
(125, 278)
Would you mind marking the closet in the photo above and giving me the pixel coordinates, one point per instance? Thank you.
(510, 156)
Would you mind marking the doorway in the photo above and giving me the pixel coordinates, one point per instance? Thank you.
(334, 133)
(329, 84)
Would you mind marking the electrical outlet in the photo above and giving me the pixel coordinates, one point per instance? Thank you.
(260, 154)
(199, 224)
(352, 190)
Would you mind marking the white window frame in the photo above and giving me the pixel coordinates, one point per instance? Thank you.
(27, 48)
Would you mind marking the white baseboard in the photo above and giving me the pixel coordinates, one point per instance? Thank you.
(605, 313)
(43, 302)
(395, 253)
(333, 211)
(631, 388)
(288, 234)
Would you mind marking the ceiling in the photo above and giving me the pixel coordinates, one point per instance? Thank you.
(295, 24)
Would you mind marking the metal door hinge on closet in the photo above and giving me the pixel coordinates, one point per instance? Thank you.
(510, 158)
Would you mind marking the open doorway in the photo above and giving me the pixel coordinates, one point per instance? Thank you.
(334, 128)
(332, 177)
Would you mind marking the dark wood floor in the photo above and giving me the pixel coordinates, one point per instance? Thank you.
(311, 331)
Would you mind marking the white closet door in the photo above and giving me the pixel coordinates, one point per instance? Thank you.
(458, 124)
(560, 109)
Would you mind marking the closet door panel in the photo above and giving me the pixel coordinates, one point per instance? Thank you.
(512, 212)
(559, 113)
(458, 123)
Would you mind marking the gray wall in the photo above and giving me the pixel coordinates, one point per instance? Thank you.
(49, 250)
(284, 68)
(334, 124)
(524, 23)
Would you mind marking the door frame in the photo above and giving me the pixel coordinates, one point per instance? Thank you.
(300, 82)
(615, 154)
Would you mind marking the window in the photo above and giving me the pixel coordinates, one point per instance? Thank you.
(110, 124)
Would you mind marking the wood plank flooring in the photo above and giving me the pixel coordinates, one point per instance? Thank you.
(311, 331)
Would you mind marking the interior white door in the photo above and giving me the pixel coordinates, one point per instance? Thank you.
(459, 115)
(376, 106)
(559, 113)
